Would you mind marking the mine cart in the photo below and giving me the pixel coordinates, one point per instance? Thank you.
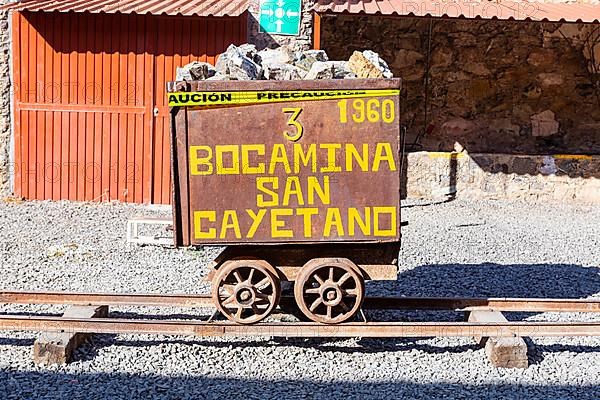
(299, 180)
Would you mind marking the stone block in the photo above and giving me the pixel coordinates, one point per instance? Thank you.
(503, 352)
(542, 58)
(544, 124)
(551, 79)
(409, 58)
(501, 176)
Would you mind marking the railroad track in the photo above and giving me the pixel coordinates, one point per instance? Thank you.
(370, 303)
(302, 329)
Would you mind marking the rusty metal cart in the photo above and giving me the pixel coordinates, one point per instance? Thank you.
(299, 180)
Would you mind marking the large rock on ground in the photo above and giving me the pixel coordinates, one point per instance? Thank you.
(237, 65)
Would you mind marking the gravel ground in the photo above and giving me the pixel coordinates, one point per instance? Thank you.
(455, 248)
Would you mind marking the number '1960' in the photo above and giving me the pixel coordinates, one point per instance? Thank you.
(371, 110)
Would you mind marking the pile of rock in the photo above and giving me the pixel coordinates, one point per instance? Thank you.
(245, 62)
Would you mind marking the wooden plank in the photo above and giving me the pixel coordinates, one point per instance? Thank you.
(139, 101)
(159, 86)
(98, 150)
(106, 116)
(59, 348)
(171, 63)
(131, 84)
(244, 37)
(64, 99)
(316, 31)
(114, 118)
(56, 117)
(80, 108)
(72, 99)
(148, 82)
(220, 38)
(49, 95)
(40, 132)
(31, 132)
(203, 40)
(16, 54)
(211, 41)
(89, 90)
(237, 28)
(81, 118)
(503, 352)
(24, 132)
(186, 42)
(122, 144)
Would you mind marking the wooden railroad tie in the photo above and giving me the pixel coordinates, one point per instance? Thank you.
(60, 347)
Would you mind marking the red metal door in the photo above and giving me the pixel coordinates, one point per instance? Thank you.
(86, 91)
(83, 107)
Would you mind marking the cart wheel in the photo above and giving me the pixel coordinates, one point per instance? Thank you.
(246, 291)
(329, 290)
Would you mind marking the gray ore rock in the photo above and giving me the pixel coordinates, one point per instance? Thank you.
(201, 70)
(183, 74)
(379, 63)
(235, 63)
(280, 55)
(321, 70)
(306, 59)
(341, 70)
(283, 72)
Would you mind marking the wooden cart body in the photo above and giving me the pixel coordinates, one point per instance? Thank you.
(288, 171)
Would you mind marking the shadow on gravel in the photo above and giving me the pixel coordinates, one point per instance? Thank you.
(59, 385)
(89, 351)
(492, 280)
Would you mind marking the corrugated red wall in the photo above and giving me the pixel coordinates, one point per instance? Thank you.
(91, 120)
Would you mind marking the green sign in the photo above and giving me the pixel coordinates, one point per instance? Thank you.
(280, 17)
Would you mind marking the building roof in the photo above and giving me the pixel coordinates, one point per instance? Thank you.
(200, 8)
(480, 9)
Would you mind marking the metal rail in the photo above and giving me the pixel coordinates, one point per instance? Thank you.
(310, 330)
(371, 303)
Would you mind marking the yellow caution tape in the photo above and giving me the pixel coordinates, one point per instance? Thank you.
(572, 157)
(182, 99)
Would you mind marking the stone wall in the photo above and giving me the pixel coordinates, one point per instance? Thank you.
(491, 86)
(5, 130)
(264, 40)
(558, 178)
